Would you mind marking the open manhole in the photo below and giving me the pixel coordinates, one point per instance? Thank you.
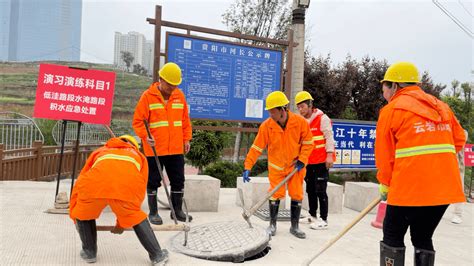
(224, 241)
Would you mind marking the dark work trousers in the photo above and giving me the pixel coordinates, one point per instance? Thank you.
(174, 165)
(316, 178)
(421, 220)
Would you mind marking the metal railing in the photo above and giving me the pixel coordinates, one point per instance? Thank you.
(90, 133)
(18, 131)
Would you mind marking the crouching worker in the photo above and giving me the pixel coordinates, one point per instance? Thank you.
(115, 175)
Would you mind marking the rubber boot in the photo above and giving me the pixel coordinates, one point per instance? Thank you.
(148, 239)
(295, 218)
(424, 257)
(88, 234)
(153, 216)
(177, 201)
(273, 206)
(391, 256)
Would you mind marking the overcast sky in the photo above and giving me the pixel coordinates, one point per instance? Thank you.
(416, 31)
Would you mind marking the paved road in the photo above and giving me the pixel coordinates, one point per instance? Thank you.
(29, 236)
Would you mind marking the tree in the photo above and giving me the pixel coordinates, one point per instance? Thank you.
(128, 58)
(455, 84)
(367, 96)
(263, 18)
(429, 87)
(139, 69)
(467, 89)
(321, 81)
(351, 90)
(462, 107)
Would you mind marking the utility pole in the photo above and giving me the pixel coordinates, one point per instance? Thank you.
(299, 10)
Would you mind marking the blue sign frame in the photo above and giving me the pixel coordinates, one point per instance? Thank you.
(354, 144)
(225, 80)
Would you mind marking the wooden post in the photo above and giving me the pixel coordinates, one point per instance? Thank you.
(38, 145)
(157, 52)
(1, 161)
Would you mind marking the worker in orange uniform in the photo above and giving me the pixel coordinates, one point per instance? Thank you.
(164, 106)
(415, 151)
(288, 140)
(106, 180)
(321, 159)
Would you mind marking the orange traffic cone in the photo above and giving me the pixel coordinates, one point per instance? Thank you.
(378, 222)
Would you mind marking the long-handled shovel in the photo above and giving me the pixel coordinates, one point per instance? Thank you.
(166, 187)
(162, 227)
(247, 213)
(160, 171)
(345, 230)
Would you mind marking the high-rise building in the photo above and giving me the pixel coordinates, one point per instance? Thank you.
(136, 44)
(33, 30)
(5, 7)
(148, 56)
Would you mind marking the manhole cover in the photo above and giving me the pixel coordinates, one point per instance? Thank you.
(283, 214)
(222, 241)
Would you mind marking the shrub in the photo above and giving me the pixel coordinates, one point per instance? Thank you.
(259, 167)
(336, 178)
(225, 171)
(228, 172)
(206, 146)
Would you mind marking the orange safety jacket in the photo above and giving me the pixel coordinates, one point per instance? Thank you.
(115, 171)
(284, 146)
(319, 154)
(169, 122)
(417, 138)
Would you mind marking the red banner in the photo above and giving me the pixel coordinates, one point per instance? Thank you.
(469, 155)
(74, 94)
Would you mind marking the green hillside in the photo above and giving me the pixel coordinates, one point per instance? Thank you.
(18, 87)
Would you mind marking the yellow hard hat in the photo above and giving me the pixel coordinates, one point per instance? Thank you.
(276, 99)
(171, 73)
(303, 96)
(403, 72)
(130, 139)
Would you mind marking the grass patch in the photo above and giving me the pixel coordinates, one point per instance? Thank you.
(18, 80)
(13, 100)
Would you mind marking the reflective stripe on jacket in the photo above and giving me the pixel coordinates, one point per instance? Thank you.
(284, 146)
(169, 122)
(319, 153)
(115, 171)
(415, 150)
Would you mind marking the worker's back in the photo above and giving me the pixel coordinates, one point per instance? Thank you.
(418, 136)
(115, 171)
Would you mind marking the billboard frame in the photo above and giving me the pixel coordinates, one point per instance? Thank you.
(286, 72)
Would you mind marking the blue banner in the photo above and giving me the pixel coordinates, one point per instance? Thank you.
(354, 143)
(225, 81)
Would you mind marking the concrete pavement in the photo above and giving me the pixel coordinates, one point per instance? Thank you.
(28, 236)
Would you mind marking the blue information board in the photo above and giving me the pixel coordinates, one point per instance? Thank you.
(225, 81)
(354, 143)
